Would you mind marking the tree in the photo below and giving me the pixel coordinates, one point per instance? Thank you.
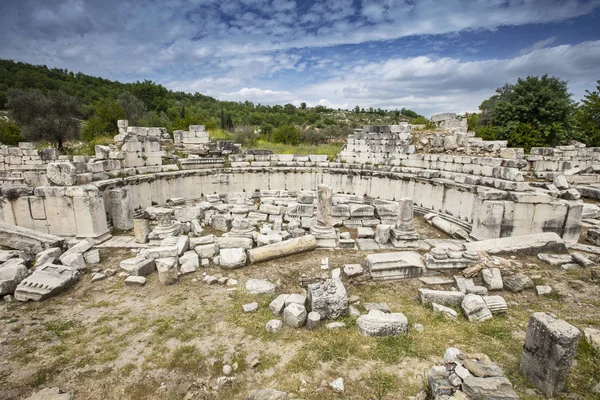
(536, 111)
(289, 108)
(303, 106)
(287, 134)
(9, 132)
(357, 109)
(587, 118)
(104, 121)
(52, 116)
(134, 108)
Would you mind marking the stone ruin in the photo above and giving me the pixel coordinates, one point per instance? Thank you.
(56, 212)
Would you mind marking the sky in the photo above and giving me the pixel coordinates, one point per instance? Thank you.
(430, 56)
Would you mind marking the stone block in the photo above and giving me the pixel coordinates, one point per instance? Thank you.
(397, 265)
(548, 353)
(232, 258)
(294, 315)
(328, 298)
(138, 266)
(377, 323)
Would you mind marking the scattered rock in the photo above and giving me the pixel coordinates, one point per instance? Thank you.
(313, 320)
(250, 307)
(274, 326)
(260, 286)
(50, 394)
(542, 290)
(352, 270)
(378, 323)
(266, 394)
(335, 325)
(447, 311)
(135, 280)
(278, 304)
(518, 282)
(328, 298)
(294, 315)
(337, 385)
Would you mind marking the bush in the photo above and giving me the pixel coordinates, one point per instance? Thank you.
(9, 133)
(287, 134)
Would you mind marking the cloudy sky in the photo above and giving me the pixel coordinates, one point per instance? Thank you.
(427, 55)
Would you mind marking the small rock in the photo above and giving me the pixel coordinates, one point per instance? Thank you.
(418, 327)
(451, 355)
(352, 270)
(354, 312)
(383, 307)
(252, 360)
(337, 385)
(313, 320)
(227, 370)
(135, 280)
(518, 282)
(260, 286)
(542, 290)
(222, 281)
(353, 299)
(447, 311)
(98, 277)
(335, 325)
(274, 326)
(250, 307)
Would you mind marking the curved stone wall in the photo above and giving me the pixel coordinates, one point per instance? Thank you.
(490, 212)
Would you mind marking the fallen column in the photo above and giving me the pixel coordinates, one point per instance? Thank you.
(548, 242)
(550, 346)
(282, 249)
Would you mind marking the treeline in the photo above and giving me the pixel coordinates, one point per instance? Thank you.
(102, 102)
(538, 111)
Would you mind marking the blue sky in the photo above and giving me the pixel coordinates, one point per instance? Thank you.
(427, 55)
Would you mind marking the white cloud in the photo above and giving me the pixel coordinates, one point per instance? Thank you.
(539, 45)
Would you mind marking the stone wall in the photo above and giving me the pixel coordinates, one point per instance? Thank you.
(24, 164)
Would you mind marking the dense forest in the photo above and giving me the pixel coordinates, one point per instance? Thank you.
(103, 102)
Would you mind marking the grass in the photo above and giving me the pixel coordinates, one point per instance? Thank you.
(330, 149)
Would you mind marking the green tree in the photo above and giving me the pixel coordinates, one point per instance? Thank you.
(9, 132)
(357, 109)
(52, 116)
(535, 111)
(587, 118)
(303, 106)
(104, 121)
(287, 134)
(134, 108)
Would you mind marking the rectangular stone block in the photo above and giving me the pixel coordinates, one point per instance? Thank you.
(550, 346)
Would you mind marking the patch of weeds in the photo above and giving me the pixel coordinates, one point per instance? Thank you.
(187, 359)
(103, 330)
(60, 328)
(496, 328)
(555, 295)
(127, 369)
(584, 376)
(393, 349)
(102, 304)
(383, 384)
(25, 353)
(141, 389)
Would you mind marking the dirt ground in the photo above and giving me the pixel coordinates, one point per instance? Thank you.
(106, 340)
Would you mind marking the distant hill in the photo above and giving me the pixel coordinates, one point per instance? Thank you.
(176, 109)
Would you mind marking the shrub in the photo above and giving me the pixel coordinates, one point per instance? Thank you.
(9, 133)
(287, 134)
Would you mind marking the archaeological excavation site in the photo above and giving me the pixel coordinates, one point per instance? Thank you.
(413, 266)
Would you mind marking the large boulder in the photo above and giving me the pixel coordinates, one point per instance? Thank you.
(379, 323)
(328, 298)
